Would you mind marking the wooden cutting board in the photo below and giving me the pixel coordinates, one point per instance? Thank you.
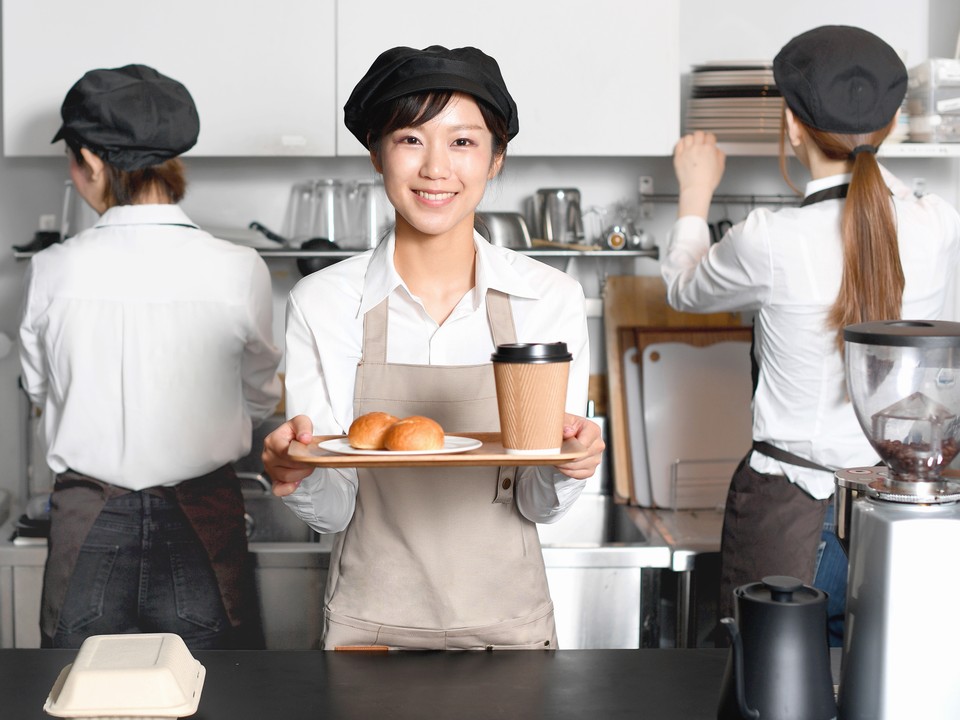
(491, 452)
(635, 312)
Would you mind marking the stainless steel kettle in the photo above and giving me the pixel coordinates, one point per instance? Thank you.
(779, 666)
(557, 215)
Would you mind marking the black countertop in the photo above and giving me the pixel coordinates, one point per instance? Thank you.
(248, 685)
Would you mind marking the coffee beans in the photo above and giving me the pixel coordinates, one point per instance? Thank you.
(917, 461)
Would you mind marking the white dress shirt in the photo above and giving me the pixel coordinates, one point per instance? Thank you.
(323, 342)
(787, 265)
(148, 344)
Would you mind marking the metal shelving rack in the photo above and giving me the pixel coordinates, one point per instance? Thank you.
(539, 252)
(888, 150)
(295, 253)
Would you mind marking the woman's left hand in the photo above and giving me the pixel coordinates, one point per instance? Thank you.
(588, 434)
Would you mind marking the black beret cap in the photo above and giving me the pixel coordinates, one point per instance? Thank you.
(131, 116)
(841, 79)
(404, 71)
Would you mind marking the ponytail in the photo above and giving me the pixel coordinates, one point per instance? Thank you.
(871, 287)
(872, 284)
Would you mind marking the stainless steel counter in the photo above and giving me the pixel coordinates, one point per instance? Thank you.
(687, 533)
(603, 565)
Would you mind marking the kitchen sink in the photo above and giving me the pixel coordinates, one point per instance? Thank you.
(595, 520)
(603, 563)
(267, 518)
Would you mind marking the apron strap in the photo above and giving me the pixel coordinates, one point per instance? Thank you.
(785, 456)
(500, 318)
(504, 332)
(374, 348)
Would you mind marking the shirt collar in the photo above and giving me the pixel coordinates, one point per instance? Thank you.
(494, 272)
(827, 182)
(168, 214)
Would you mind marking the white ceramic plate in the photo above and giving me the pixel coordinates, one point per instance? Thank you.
(451, 444)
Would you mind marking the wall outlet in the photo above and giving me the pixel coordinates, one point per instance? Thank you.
(646, 188)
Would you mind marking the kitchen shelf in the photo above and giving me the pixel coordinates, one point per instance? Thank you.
(890, 150)
(562, 253)
(740, 199)
(340, 254)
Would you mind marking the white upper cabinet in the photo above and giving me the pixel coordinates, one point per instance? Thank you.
(595, 78)
(261, 73)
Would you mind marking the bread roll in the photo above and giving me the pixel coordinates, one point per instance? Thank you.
(414, 433)
(367, 431)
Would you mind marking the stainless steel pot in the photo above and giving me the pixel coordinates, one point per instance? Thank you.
(506, 229)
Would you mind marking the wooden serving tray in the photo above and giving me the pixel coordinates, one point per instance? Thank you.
(490, 453)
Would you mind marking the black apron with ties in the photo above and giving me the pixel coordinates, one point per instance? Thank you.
(770, 526)
(212, 503)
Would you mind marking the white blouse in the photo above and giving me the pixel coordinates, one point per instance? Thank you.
(148, 343)
(787, 266)
(323, 343)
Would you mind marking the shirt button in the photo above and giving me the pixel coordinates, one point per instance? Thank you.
(505, 484)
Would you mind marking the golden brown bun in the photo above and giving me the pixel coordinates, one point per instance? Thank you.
(414, 433)
(367, 431)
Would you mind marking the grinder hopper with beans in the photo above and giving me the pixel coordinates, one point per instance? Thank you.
(900, 522)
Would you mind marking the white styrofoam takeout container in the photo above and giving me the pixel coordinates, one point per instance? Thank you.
(145, 676)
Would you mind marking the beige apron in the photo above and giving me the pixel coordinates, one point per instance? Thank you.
(436, 558)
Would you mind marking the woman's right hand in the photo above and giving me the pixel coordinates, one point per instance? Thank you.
(699, 165)
(286, 474)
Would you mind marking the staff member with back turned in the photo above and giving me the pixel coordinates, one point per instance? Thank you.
(148, 345)
(860, 247)
(430, 558)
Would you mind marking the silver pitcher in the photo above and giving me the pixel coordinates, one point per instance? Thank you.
(557, 215)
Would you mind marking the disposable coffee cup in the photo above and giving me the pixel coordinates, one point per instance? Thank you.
(531, 396)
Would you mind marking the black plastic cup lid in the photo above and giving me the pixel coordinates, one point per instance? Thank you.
(532, 353)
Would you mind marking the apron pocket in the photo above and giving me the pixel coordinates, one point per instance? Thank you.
(84, 600)
(535, 631)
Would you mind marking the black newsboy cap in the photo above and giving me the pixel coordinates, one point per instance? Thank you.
(404, 70)
(131, 116)
(841, 79)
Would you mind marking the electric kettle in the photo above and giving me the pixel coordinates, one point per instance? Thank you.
(779, 666)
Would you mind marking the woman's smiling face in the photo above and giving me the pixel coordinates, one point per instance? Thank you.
(435, 174)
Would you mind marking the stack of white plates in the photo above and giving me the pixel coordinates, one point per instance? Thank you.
(737, 100)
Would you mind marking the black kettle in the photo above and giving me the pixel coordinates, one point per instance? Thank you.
(779, 665)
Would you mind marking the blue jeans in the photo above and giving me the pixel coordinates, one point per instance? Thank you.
(142, 569)
(831, 577)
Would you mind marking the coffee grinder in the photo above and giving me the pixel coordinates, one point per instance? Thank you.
(900, 523)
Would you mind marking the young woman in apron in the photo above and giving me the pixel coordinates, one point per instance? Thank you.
(860, 247)
(428, 558)
(149, 346)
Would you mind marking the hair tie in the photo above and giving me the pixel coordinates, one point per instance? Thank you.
(872, 149)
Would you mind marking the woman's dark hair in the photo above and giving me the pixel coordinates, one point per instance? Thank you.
(872, 284)
(419, 108)
(124, 187)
